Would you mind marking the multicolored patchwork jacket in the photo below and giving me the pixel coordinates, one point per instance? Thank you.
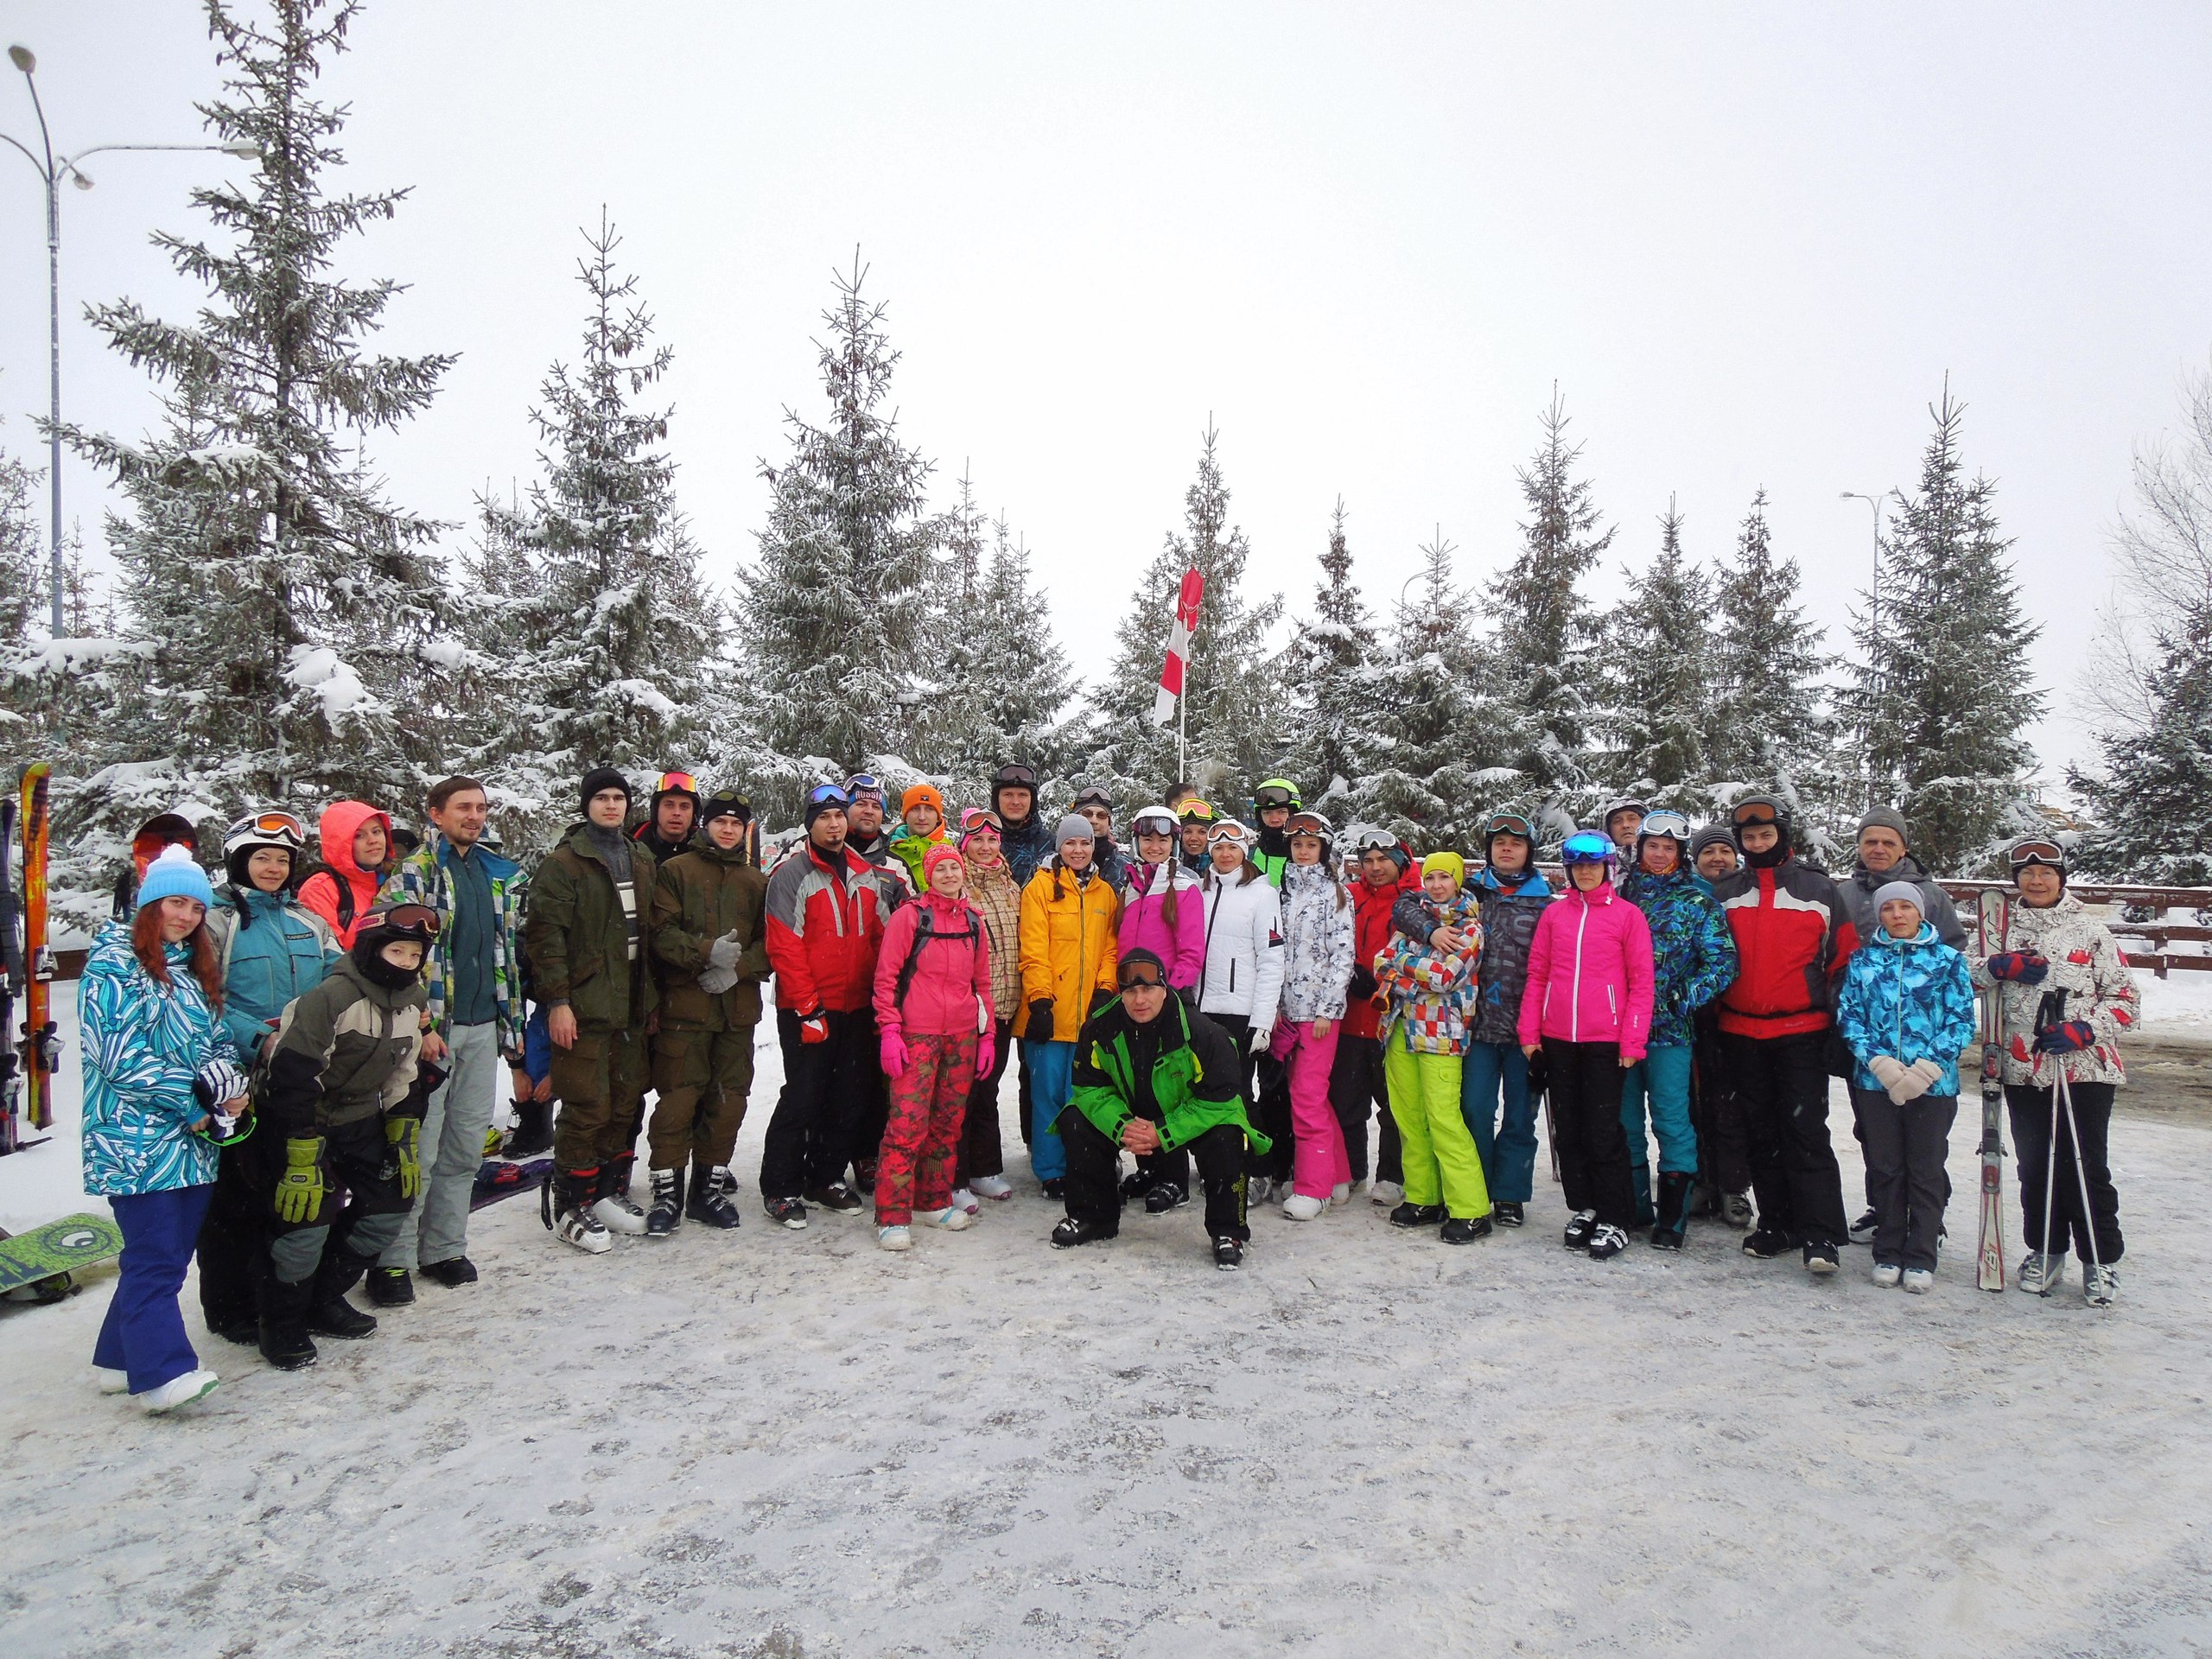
(421, 879)
(1910, 999)
(143, 1045)
(1432, 996)
(2086, 968)
(1693, 951)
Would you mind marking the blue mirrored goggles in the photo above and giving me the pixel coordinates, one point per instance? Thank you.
(828, 795)
(1587, 846)
(862, 783)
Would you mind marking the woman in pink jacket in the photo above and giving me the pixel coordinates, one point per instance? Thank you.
(1587, 1005)
(933, 1017)
(1162, 909)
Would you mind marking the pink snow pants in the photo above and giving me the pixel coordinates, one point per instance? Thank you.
(1321, 1163)
(921, 1137)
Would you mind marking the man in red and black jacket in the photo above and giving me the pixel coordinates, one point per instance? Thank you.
(1793, 936)
(824, 924)
(1356, 1088)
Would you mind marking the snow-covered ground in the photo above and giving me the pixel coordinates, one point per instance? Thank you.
(793, 1444)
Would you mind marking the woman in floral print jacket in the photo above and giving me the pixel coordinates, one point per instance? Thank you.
(2066, 996)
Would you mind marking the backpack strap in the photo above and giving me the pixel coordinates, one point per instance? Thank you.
(922, 934)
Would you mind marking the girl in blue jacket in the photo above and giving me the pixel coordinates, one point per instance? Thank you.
(162, 1088)
(1906, 1009)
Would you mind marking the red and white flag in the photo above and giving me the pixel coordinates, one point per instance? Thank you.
(1178, 647)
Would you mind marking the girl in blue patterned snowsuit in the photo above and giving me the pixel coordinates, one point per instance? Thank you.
(1693, 961)
(161, 1084)
(1906, 1009)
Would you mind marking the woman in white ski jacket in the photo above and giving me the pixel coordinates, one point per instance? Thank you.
(1316, 952)
(1242, 982)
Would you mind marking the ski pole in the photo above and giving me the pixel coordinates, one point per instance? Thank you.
(2081, 1170)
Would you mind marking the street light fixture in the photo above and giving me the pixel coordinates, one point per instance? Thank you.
(52, 169)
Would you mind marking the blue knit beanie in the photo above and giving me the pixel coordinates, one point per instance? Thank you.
(174, 875)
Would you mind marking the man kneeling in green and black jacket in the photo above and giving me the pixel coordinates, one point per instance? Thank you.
(1152, 1075)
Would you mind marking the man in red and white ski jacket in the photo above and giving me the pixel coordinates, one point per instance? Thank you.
(1793, 936)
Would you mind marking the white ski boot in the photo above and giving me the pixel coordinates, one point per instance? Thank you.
(1299, 1207)
(1888, 1274)
(179, 1391)
(2099, 1285)
(2041, 1274)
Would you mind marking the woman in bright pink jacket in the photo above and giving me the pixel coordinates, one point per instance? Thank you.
(933, 1018)
(1587, 1006)
(1163, 908)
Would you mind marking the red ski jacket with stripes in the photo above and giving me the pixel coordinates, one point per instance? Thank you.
(824, 931)
(1793, 936)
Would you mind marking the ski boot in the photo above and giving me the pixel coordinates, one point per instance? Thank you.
(666, 1214)
(713, 1196)
(1736, 1211)
(533, 1131)
(1673, 1219)
(568, 1208)
(1606, 1241)
(1766, 1243)
(1580, 1230)
(1507, 1213)
(1163, 1196)
(613, 1207)
(1465, 1230)
(2100, 1285)
(1862, 1231)
(1228, 1254)
(1417, 1215)
(1071, 1231)
(2041, 1273)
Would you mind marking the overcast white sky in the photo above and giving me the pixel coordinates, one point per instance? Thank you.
(1748, 242)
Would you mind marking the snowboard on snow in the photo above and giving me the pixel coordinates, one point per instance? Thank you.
(1993, 923)
(42, 1047)
(501, 1177)
(52, 1253)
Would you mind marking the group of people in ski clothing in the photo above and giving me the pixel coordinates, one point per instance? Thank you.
(296, 1078)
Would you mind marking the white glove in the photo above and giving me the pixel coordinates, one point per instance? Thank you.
(1887, 1069)
(717, 979)
(723, 952)
(216, 1083)
(1918, 1079)
(1261, 1036)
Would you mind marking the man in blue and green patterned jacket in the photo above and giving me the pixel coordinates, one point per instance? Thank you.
(476, 1017)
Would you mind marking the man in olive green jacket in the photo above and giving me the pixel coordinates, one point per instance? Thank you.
(709, 955)
(589, 909)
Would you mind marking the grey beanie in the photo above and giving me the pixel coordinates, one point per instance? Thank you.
(1906, 891)
(1074, 827)
(1712, 834)
(1886, 818)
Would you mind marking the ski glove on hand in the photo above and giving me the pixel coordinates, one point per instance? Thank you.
(987, 1053)
(1261, 1036)
(1040, 1028)
(2021, 967)
(893, 1051)
(405, 1135)
(1928, 1073)
(814, 1027)
(1887, 1070)
(723, 952)
(1362, 983)
(2068, 1037)
(716, 979)
(217, 1082)
(300, 1189)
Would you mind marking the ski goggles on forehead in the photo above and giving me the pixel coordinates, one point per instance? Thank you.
(1586, 847)
(1136, 974)
(979, 817)
(1098, 798)
(1375, 841)
(1308, 824)
(1673, 825)
(406, 918)
(1228, 829)
(863, 783)
(1159, 822)
(1015, 777)
(280, 824)
(1744, 816)
(672, 780)
(1510, 823)
(1197, 812)
(828, 795)
(2039, 852)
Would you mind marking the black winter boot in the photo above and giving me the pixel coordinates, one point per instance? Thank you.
(713, 1196)
(1673, 1219)
(284, 1340)
(533, 1134)
(333, 1315)
(665, 1214)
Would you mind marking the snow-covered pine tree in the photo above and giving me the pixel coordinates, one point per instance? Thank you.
(1335, 680)
(604, 616)
(836, 607)
(2152, 797)
(293, 614)
(1659, 649)
(950, 726)
(2152, 682)
(1942, 688)
(1544, 643)
(1234, 706)
(1433, 776)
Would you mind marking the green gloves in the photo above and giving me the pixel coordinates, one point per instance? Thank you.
(301, 1188)
(405, 1136)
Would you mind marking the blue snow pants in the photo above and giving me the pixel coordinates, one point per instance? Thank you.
(1662, 1077)
(144, 1333)
(1052, 1075)
(1489, 1072)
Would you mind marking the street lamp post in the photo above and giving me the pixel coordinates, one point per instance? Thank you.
(1874, 628)
(52, 169)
